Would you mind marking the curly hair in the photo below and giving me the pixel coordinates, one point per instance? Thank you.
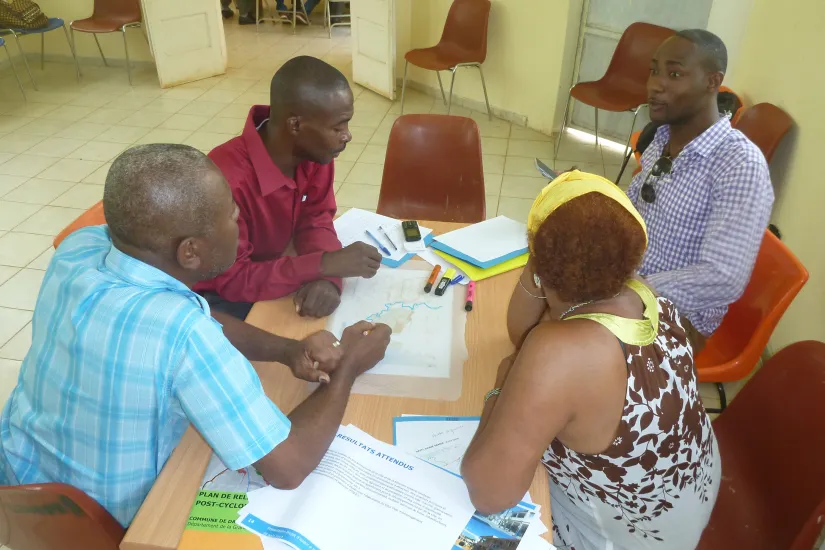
(587, 248)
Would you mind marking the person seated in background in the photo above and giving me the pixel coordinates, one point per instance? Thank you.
(125, 355)
(704, 189)
(602, 388)
(281, 174)
(246, 11)
(309, 5)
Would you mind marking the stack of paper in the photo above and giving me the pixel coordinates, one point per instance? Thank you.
(442, 441)
(356, 225)
(485, 249)
(364, 494)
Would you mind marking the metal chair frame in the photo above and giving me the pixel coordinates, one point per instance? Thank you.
(17, 33)
(449, 101)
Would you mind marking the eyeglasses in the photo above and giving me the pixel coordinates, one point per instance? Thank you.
(661, 167)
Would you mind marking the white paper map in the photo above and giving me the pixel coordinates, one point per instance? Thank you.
(220, 478)
(422, 324)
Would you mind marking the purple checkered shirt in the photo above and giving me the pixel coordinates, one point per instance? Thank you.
(706, 224)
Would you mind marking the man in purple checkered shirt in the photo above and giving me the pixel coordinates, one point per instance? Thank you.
(706, 217)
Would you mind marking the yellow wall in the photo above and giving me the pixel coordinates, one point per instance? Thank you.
(777, 63)
(112, 44)
(530, 55)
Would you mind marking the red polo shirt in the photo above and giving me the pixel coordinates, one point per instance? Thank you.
(274, 211)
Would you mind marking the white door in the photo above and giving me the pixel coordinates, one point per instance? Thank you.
(603, 22)
(373, 45)
(187, 39)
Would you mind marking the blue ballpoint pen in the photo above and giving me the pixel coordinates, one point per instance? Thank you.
(457, 280)
(381, 247)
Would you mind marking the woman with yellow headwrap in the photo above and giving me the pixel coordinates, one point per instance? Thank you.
(602, 389)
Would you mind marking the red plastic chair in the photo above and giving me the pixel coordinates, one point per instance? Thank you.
(772, 444)
(624, 86)
(463, 44)
(765, 125)
(111, 16)
(92, 216)
(54, 516)
(433, 170)
(734, 349)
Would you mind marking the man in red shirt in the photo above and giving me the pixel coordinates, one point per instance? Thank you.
(280, 170)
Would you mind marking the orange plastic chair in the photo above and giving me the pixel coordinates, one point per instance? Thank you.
(765, 125)
(463, 44)
(92, 216)
(55, 516)
(624, 86)
(734, 349)
(433, 170)
(111, 16)
(771, 441)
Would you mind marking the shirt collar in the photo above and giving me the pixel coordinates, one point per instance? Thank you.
(138, 273)
(704, 144)
(270, 178)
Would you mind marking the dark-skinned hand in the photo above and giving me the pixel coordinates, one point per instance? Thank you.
(315, 356)
(356, 260)
(317, 299)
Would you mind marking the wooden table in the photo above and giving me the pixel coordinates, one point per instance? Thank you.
(162, 517)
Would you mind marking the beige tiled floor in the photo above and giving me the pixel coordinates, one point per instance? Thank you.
(55, 150)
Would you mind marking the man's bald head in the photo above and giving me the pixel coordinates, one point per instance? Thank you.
(158, 194)
(302, 85)
(311, 105)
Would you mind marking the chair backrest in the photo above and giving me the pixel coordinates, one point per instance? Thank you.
(120, 10)
(54, 516)
(433, 170)
(465, 33)
(92, 216)
(734, 349)
(775, 427)
(765, 125)
(630, 64)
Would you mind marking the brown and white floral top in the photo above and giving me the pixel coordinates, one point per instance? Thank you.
(655, 486)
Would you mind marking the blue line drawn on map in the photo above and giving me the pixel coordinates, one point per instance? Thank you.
(387, 307)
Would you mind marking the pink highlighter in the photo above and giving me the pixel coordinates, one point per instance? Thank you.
(471, 295)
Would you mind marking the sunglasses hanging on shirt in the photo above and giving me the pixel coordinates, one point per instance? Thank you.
(661, 167)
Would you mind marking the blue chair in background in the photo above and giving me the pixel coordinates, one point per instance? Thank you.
(54, 24)
(13, 68)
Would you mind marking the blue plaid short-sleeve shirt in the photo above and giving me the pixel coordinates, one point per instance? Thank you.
(123, 358)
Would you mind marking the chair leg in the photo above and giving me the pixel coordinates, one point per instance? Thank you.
(452, 85)
(563, 125)
(597, 128)
(404, 85)
(16, 76)
(126, 49)
(484, 86)
(103, 57)
(440, 85)
(25, 61)
(723, 399)
(328, 17)
(632, 127)
(42, 51)
(624, 165)
(71, 48)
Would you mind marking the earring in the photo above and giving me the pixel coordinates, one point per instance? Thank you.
(536, 280)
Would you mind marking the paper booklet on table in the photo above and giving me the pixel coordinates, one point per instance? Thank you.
(352, 227)
(485, 244)
(364, 494)
(211, 524)
(427, 349)
(478, 274)
(442, 441)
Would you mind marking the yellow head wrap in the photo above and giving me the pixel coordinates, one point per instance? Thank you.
(574, 184)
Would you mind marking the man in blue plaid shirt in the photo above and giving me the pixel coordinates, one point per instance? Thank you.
(704, 189)
(124, 355)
